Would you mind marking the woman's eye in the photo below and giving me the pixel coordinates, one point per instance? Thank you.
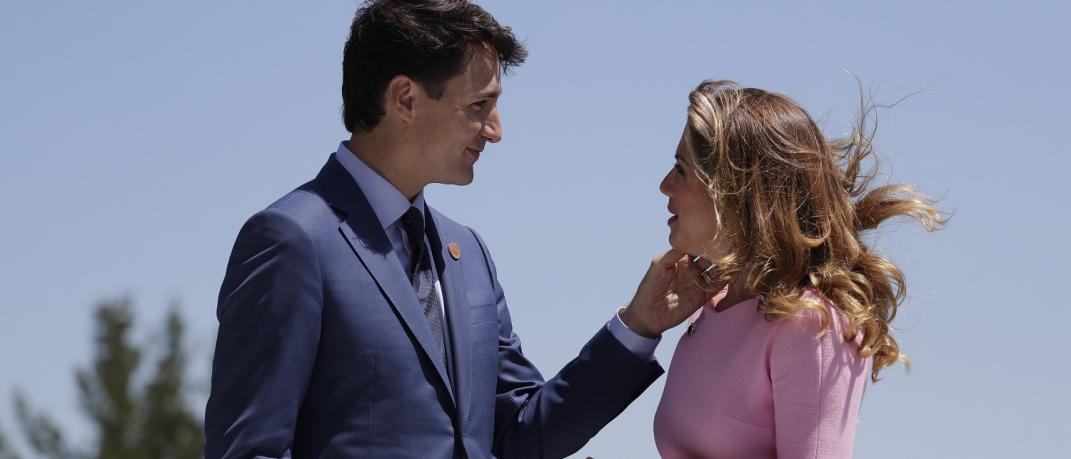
(678, 169)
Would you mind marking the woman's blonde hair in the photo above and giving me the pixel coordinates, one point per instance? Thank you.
(791, 207)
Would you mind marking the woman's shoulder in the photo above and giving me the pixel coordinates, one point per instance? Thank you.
(811, 345)
(820, 324)
(817, 313)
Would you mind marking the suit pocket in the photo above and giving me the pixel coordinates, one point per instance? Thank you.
(483, 313)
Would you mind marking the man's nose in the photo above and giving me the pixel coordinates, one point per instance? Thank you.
(492, 128)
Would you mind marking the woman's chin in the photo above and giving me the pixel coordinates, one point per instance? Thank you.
(676, 244)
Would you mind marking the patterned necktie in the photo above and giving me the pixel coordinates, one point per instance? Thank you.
(422, 278)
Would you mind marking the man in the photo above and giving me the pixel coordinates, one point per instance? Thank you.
(356, 321)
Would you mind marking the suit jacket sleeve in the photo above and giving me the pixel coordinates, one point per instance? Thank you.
(553, 419)
(269, 325)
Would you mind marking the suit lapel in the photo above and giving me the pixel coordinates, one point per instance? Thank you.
(457, 307)
(369, 242)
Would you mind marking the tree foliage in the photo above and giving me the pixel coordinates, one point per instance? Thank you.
(6, 451)
(150, 420)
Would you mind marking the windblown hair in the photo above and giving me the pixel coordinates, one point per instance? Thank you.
(791, 207)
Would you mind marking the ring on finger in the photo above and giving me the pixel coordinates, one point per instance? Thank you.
(706, 274)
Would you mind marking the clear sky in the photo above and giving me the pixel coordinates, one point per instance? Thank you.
(136, 137)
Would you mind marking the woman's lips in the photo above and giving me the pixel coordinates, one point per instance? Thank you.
(672, 220)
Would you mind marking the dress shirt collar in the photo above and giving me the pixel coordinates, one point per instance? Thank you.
(386, 200)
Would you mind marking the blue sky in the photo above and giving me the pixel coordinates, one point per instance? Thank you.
(136, 137)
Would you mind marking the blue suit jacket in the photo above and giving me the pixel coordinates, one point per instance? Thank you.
(323, 349)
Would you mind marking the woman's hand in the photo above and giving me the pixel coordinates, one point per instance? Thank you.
(671, 291)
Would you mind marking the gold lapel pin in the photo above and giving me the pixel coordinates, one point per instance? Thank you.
(455, 251)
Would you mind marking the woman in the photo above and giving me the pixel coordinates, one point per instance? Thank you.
(775, 365)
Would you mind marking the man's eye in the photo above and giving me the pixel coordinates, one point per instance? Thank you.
(479, 105)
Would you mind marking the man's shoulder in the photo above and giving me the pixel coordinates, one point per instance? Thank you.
(462, 234)
(308, 197)
(305, 207)
(449, 226)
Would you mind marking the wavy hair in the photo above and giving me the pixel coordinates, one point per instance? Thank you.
(791, 207)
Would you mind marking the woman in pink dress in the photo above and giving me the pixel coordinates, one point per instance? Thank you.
(775, 365)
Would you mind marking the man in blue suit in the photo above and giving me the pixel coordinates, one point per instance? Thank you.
(356, 321)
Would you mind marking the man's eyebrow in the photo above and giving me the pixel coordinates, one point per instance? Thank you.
(491, 94)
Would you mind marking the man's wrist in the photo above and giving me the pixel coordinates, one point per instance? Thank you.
(628, 317)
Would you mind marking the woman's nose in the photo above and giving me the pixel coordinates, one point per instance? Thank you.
(666, 187)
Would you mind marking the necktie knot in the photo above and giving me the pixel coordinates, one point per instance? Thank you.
(414, 228)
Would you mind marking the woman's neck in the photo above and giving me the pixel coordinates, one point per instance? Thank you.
(735, 295)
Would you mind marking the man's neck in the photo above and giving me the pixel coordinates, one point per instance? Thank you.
(382, 156)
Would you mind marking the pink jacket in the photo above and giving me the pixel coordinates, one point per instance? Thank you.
(742, 387)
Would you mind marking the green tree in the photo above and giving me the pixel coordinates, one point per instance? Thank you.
(6, 452)
(153, 421)
(42, 434)
(170, 429)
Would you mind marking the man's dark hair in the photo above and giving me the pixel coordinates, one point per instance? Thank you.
(426, 40)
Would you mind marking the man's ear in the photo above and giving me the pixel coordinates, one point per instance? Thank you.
(398, 98)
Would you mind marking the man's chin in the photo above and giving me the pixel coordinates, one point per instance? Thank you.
(460, 180)
(465, 175)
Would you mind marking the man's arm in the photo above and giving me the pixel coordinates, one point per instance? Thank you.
(534, 419)
(269, 328)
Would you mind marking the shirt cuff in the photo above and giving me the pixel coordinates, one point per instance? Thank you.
(642, 346)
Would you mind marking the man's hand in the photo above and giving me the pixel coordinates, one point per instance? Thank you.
(671, 291)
